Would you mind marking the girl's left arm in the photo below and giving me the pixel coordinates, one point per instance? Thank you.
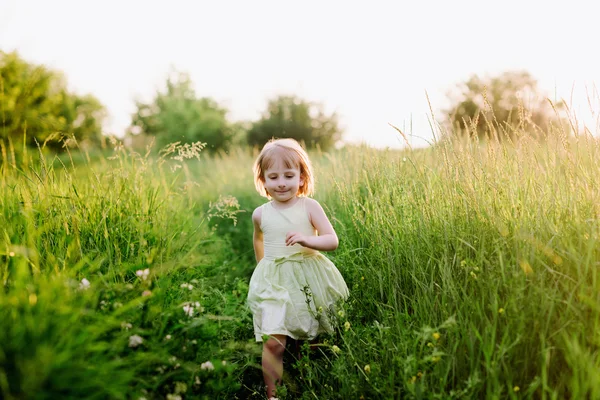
(327, 239)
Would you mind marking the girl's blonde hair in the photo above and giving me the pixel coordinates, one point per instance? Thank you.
(292, 155)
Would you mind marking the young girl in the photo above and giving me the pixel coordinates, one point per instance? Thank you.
(293, 285)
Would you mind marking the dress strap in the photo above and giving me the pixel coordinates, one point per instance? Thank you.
(263, 209)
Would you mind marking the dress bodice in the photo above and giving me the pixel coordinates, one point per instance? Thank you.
(276, 223)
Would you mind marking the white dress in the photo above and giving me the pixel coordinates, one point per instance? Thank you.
(293, 288)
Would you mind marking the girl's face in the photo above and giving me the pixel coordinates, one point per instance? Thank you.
(282, 183)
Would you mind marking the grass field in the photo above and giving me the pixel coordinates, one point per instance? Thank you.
(473, 270)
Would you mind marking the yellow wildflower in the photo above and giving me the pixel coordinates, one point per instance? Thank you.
(436, 335)
(516, 389)
(367, 368)
(526, 267)
(347, 326)
(501, 311)
(557, 260)
(336, 349)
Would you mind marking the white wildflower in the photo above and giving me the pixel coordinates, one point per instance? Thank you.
(207, 366)
(135, 340)
(126, 325)
(85, 284)
(143, 273)
(188, 310)
(168, 337)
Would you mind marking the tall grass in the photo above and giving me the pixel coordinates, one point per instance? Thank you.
(105, 293)
(473, 269)
(501, 242)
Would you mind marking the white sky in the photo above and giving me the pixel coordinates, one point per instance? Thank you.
(370, 61)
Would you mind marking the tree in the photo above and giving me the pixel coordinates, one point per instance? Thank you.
(177, 115)
(289, 116)
(34, 101)
(501, 106)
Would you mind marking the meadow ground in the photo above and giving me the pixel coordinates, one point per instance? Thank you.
(473, 270)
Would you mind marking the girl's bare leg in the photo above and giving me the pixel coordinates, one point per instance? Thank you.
(272, 362)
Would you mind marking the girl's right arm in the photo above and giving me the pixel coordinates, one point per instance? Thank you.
(259, 247)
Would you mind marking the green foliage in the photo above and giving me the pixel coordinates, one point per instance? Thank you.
(36, 105)
(177, 115)
(473, 273)
(289, 116)
(501, 107)
(106, 283)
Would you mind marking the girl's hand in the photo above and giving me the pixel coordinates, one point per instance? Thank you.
(295, 237)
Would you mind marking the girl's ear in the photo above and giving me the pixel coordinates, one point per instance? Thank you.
(301, 180)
